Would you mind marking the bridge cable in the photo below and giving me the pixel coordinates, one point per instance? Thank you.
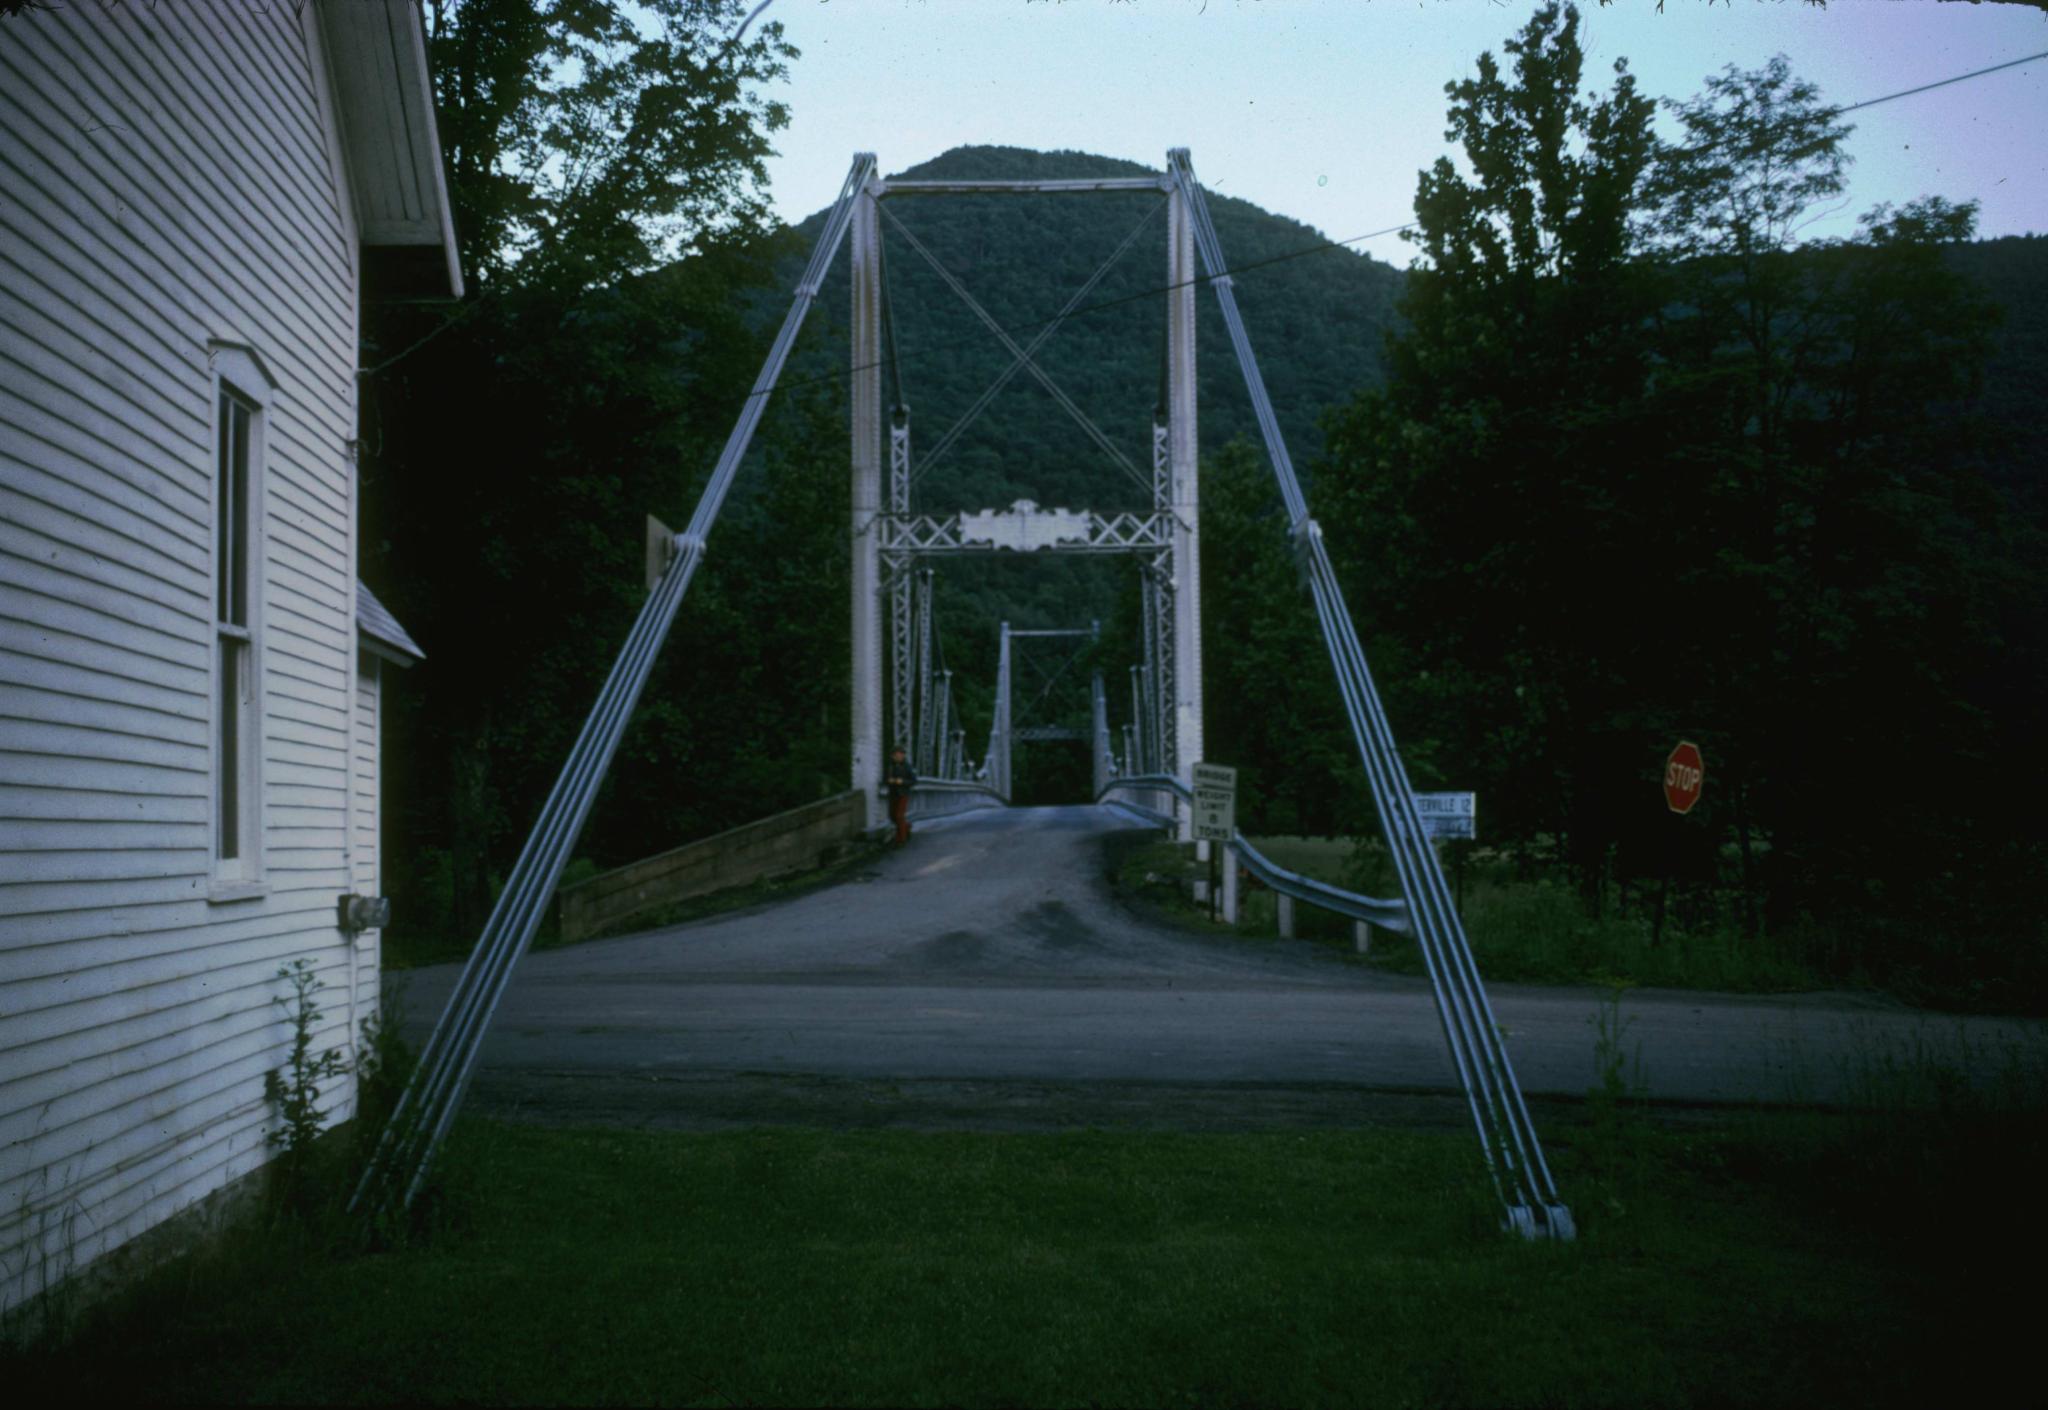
(1507, 1135)
(427, 1106)
(889, 324)
(989, 321)
(1046, 331)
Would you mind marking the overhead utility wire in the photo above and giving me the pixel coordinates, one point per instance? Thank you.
(1942, 83)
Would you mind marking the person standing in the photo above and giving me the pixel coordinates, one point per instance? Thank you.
(900, 780)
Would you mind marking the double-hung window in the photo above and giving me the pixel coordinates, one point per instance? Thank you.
(241, 392)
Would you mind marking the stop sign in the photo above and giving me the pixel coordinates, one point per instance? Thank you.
(1684, 772)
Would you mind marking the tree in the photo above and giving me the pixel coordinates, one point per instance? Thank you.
(587, 139)
(605, 164)
(1647, 465)
(1825, 387)
(1270, 701)
(1489, 503)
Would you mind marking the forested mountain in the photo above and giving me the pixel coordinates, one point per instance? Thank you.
(1317, 317)
(2013, 402)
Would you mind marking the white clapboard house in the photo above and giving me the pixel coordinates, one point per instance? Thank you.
(194, 197)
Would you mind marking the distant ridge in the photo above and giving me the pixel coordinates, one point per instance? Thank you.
(1318, 326)
(1317, 323)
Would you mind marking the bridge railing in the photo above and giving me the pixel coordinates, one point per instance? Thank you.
(1147, 793)
(1373, 910)
(942, 797)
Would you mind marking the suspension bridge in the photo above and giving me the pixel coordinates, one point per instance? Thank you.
(902, 694)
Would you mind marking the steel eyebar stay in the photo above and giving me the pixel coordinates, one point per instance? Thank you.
(427, 1106)
(1453, 1015)
(1424, 880)
(1470, 1028)
(595, 748)
(1508, 1139)
(439, 1071)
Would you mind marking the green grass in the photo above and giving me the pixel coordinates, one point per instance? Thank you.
(780, 1267)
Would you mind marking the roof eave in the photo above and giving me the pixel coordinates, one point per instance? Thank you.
(377, 50)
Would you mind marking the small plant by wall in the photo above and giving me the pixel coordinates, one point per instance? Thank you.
(294, 1088)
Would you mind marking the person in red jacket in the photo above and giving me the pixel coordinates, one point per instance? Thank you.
(900, 781)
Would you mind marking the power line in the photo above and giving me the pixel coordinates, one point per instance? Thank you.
(1943, 82)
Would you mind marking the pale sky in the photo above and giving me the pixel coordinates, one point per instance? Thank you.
(1324, 110)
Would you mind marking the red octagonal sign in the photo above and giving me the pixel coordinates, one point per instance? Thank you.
(1684, 773)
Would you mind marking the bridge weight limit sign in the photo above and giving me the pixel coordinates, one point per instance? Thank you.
(1215, 790)
(1215, 813)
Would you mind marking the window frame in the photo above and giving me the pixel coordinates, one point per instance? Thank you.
(239, 380)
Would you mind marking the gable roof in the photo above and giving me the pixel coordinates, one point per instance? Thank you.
(381, 632)
(377, 52)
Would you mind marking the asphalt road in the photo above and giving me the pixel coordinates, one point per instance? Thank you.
(986, 976)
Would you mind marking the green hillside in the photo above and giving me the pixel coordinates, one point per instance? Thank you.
(1317, 318)
(1317, 323)
(2013, 270)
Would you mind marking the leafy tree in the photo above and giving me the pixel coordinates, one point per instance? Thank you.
(1485, 504)
(1270, 698)
(513, 447)
(587, 139)
(1859, 547)
(1646, 465)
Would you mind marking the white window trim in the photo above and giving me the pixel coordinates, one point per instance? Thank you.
(237, 370)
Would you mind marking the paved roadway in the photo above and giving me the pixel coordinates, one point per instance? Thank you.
(987, 976)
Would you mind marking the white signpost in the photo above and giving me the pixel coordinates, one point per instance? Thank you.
(1448, 814)
(1215, 790)
(1215, 815)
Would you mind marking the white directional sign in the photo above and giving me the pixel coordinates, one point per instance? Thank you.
(1449, 814)
(1215, 802)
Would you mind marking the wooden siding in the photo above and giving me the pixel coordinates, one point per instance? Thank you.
(168, 181)
(363, 818)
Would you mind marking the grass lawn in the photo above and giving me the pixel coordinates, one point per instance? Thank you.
(1768, 1262)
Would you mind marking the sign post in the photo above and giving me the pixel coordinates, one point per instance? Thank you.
(1215, 790)
(1685, 776)
(1448, 814)
(1455, 816)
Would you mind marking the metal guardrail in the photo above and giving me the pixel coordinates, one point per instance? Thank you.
(1385, 914)
(942, 797)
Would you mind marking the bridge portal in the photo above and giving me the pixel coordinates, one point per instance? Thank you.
(890, 538)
